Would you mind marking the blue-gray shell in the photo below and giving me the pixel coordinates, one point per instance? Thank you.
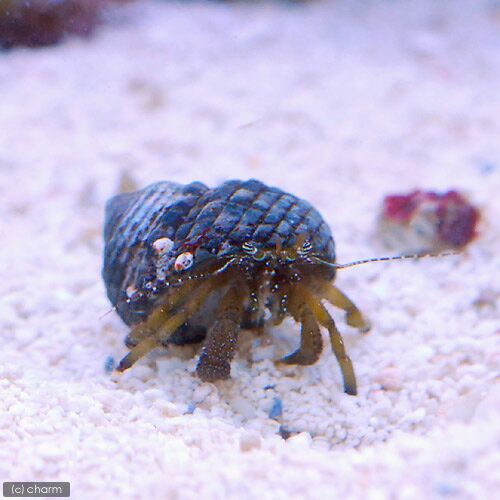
(214, 222)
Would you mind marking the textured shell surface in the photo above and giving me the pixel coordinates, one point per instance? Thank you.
(209, 223)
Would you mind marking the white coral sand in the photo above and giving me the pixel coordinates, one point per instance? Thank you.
(337, 102)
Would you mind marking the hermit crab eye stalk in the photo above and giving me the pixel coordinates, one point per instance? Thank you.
(249, 248)
(255, 252)
(305, 248)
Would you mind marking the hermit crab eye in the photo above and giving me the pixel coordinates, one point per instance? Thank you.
(253, 250)
(249, 248)
(183, 261)
(305, 248)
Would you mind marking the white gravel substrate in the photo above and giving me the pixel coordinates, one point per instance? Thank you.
(337, 102)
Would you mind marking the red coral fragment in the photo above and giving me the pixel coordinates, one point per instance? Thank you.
(458, 220)
(401, 207)
(426, 220)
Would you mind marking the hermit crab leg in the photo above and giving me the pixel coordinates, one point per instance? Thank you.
(158, 330)
(311, 342)
(220, 344)
(326, 320)
(140, 350)
(353, 316)
(157, 317)
(252, 316)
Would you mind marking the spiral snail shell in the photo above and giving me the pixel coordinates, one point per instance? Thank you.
(185, 263)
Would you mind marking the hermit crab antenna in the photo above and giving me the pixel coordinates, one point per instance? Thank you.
(109, 311)
(396, 257)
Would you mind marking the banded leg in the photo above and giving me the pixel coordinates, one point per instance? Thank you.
(158, 329)
(220, 344)
(324, 318)
(353, 316)
(311, 342)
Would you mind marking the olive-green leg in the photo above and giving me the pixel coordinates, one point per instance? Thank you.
(176, 295)
(158, 328)
(353, 316)
(311, 342)
(324, 318)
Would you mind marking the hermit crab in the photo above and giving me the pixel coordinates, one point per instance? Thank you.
(185, 263)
